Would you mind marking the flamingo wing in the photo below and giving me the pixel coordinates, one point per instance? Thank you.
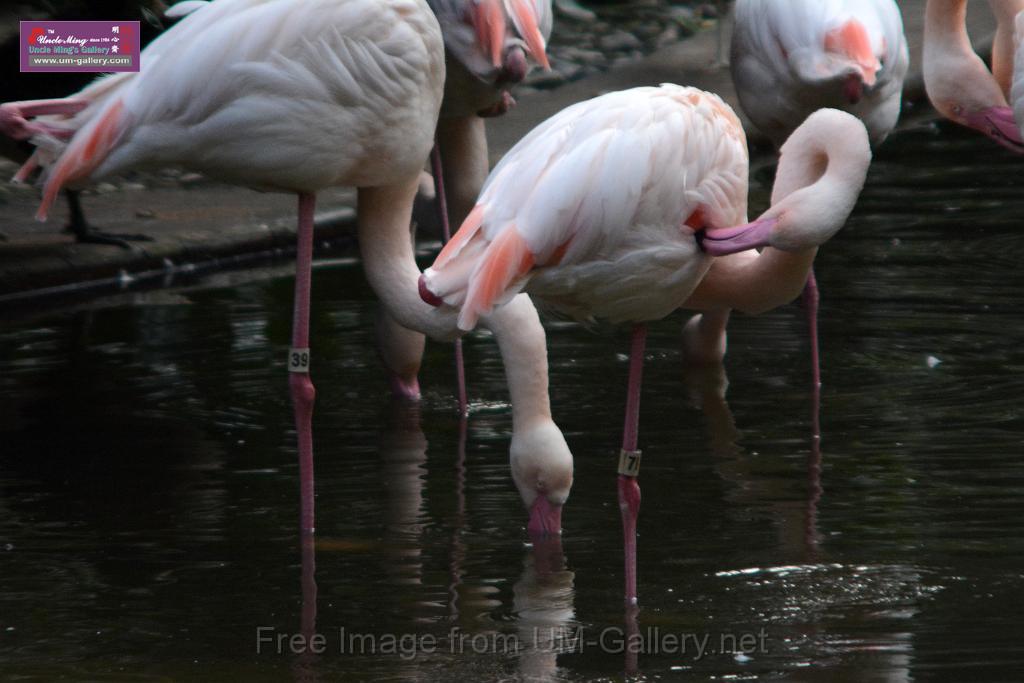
(289, 95)
(569, 192)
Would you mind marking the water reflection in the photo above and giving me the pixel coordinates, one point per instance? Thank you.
(799, 591)
(543, 604)
(147, 475)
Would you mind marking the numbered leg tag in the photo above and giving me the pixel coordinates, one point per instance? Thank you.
(298, 360)
(629, 463)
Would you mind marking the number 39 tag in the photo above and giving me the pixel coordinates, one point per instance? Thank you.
(298, 360)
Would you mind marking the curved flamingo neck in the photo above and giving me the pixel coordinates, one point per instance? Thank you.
(819, 166)
(390, 266)
(945, 25)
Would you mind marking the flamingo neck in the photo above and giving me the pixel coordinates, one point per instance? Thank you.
(753, 282)
(821, 172)
(945, 26)
(386, 247)
(389, 262)
(1003, 48)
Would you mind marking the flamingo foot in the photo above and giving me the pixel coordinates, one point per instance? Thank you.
(87, 234)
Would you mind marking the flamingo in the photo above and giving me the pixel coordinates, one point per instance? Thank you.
(29, 85)
(959, 85)
(295, 97)
(614, 208)
(790, 59)
(487, 43)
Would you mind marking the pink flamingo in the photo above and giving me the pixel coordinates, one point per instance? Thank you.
(959, 84)
(349, 95)
(613, 209)
(489, 48)
(291, 97)
(790, 59)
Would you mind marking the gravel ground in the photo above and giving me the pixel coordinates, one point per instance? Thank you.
(615, 34)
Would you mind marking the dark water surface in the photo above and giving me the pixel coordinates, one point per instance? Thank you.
(148, 478)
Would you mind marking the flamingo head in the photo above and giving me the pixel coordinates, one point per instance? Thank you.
(849, 56)
(542, 471)
(497, 39)
(997, 123)
(822, 169)
(963, 90)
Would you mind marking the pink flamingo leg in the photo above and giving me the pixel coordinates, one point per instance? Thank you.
(629, 461)
(299, 382)
(811, 299)
(446, 230)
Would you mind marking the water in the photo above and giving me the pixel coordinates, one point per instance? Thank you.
(148, 514)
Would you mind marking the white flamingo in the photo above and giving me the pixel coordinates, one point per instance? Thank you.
(613, 209)
(297, 96)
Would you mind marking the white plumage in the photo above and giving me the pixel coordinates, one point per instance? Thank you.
(272, 94)
(792, 58)
(598, 196)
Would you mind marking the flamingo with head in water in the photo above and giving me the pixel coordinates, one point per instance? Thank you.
(959, 84)
(615, 209)
(297, 96)
(490, 46)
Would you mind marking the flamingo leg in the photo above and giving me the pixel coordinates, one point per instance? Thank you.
(446, 230)
(302, 390)
(811, 298)
(629, 461)
(87, 234)
(722, 11)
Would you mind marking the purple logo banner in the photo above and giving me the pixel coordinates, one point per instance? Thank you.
(82, 46)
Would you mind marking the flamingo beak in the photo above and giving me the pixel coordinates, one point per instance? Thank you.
(853, 88)
(514, 69)
(545, 518)
(426, 295)
(725, 241)
(998, 123)
(489, 23)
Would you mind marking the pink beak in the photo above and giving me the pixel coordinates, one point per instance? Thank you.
(545, 518)
(998, 123)
(725, 241)
(853, 88)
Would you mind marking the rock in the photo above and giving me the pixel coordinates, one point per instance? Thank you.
(618, 41)
(668, 36)
(583, 56)
(545, 79)
(572, 10)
